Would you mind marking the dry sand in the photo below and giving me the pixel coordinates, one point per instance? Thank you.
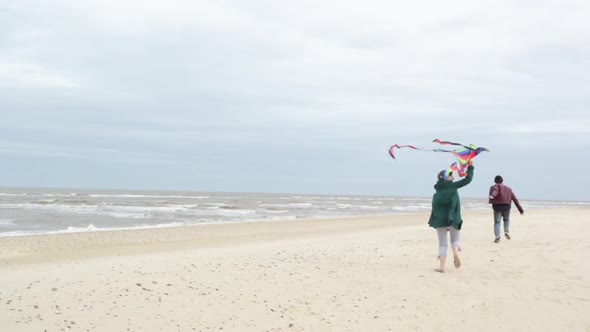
(349, 274)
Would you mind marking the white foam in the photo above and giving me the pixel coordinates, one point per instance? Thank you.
(273, 206)
(37, 206)
(276, 211)
(122, 215)
(60, 195)
(117, 211)
(89, 228)
(47, 201)
(215, 204)
(146, 196)
(6, 222)
(18, 233)
(368, 207)
(231, 212)
(411, 208)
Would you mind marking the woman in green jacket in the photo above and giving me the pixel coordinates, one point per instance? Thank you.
(446, 214)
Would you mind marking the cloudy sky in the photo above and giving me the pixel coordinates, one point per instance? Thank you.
(294, 96)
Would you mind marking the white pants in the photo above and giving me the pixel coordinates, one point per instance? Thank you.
(443, 241)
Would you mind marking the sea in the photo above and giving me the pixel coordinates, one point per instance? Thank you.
(28, 211)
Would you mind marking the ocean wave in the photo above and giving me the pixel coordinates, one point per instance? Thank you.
(145, 196)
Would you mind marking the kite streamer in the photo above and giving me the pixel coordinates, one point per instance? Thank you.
(463, 154)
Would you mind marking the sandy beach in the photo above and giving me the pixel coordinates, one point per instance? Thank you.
(345, 274)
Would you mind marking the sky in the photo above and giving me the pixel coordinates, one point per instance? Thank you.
(294, 96)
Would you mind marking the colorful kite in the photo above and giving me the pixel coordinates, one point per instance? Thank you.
(463, 154)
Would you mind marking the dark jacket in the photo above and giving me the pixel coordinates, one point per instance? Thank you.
(501, 197)
(446, 206)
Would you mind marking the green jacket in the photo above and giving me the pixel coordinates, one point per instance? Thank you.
(446, 206)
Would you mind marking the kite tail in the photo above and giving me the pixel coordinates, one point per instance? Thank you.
(463, 154)
(403, 146)
(447, 143)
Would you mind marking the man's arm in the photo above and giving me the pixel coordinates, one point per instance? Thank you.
(494, 191)
(515, 200)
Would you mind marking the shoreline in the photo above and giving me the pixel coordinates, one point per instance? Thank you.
(50, 211)
(195, 236)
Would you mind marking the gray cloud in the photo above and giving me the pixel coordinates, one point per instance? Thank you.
(304, 97)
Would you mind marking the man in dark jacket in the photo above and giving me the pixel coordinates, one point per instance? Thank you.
(501, 198)
(446, 214)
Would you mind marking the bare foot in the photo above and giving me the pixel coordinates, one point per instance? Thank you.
(457, 262)
(440, 270)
